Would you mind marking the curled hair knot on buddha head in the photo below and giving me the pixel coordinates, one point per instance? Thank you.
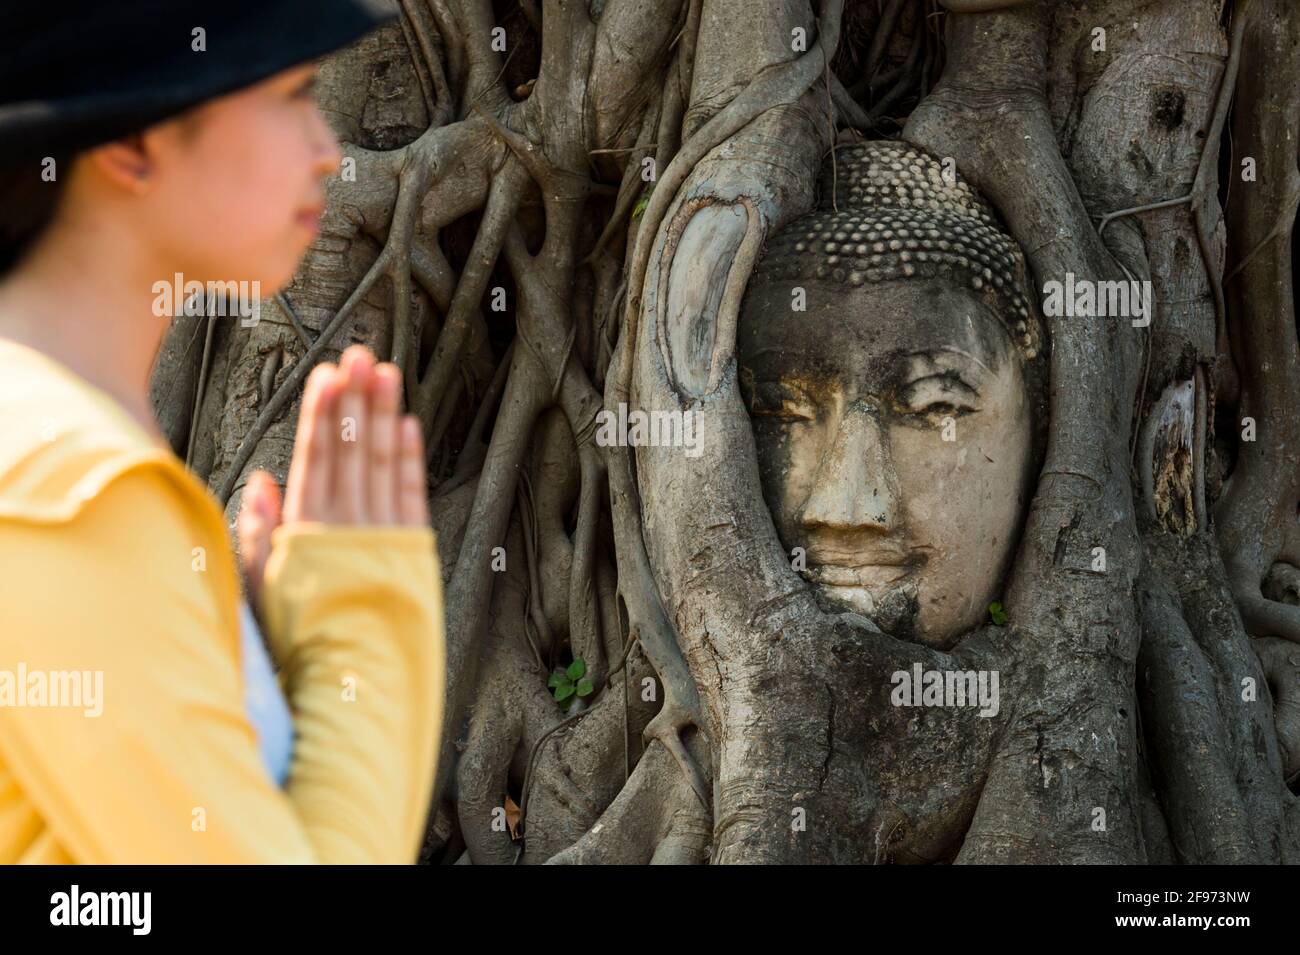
(896, 214)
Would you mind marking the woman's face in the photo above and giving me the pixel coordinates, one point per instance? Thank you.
(235, 189)
(894, 438)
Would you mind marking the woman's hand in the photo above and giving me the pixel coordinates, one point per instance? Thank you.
(356, 461)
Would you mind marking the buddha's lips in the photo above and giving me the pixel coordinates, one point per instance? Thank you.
(864, 575)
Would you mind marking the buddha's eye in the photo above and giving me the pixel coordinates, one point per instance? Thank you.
(776, 399)
(938, 396)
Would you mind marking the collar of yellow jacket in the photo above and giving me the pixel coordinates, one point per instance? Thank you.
(62, 440)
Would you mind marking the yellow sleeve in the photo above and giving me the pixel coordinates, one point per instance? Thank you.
(355, 621)
(130, 594)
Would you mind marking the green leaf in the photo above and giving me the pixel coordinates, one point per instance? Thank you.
(576, 669)
(562, 693)
(585, 687)
(556, 679)
(639, 208)
(996, 613)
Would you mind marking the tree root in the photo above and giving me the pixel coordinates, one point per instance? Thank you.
(780, 83)
(1221, 803)
(503, 200)
(1281, 662)
(1256, 516)
(647, 621)
(657, 818)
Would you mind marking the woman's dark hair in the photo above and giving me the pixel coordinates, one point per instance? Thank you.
(30, 191)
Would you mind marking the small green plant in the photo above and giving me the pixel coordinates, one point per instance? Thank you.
(997, 614)
(570, 681)
(641, 204)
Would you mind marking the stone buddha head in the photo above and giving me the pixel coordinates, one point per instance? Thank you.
(890, 356)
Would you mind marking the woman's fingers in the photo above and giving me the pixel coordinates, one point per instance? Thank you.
(412, 484)
(357, 459)
(310, 473)
(261, 500)
(259, 515)
(385, 397)
(353, 430)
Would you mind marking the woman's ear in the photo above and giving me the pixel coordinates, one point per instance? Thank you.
(125, 163)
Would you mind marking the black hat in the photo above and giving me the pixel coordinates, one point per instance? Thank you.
(78, 73)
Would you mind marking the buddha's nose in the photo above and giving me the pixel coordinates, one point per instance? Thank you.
(852, 489)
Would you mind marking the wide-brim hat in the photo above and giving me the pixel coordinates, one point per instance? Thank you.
(85, 72)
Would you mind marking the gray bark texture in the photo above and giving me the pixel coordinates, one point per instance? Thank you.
(551, 207)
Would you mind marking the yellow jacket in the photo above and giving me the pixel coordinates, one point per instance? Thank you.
(114, 560)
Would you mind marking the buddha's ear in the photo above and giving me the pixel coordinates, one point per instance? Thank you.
(710, 253)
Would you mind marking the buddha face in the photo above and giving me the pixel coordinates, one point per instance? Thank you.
(893, 431)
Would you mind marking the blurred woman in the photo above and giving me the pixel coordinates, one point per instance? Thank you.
(140, 720)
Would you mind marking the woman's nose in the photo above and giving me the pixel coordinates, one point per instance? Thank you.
(328, 155)
(852, 489)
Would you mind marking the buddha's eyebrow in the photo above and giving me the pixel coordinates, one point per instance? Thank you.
(932, 355)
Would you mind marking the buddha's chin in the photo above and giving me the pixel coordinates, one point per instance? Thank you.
(892, 608)
(855, 599)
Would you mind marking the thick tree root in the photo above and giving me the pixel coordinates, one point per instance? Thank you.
(1257, 514)
(657, 818)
